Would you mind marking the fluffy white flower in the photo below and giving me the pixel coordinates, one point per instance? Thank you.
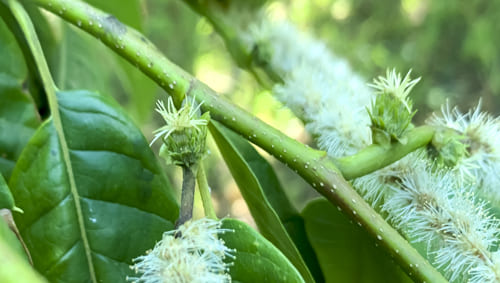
(191, 254)
(429, 206)
(481, 133)
(318, 87)
(434, 207)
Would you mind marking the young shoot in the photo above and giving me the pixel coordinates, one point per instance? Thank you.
(184, 144)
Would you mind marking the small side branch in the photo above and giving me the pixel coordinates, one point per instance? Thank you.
(375, 156)
(187, 197)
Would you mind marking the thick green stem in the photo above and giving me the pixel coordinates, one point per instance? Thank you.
(187, 196)
(376, 156)
(314, 166)
(205, 193)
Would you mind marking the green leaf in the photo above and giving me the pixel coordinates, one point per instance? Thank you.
(13, 265)
(345, 251)
(257, 260)
(12, 63)
(242, 159)
(6, 199)
(20, 56)
(274, 193)
(18, 121)
(94, 200)
(18, 116)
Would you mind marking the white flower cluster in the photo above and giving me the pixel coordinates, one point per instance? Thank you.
(191, 254)
(318, 87)
(481, 133)
(435, 207)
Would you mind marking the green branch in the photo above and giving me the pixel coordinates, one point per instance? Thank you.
(376, 156)
(312, 165)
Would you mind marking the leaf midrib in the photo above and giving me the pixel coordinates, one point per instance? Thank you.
(73, 188)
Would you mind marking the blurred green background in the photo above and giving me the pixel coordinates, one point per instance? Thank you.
(453, 45)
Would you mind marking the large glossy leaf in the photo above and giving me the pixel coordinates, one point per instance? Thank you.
(88, 214)
(14, 267)
(256, 259)
(345, 251)
(241, 160)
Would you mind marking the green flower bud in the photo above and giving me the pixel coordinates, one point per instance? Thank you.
(391, 111)
(389, 116)
(185, 147)
(184, 135)
(448, 147)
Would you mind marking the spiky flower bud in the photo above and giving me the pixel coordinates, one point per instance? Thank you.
(395, 85)
(184, 134)
(391, 111)
(192, 253)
